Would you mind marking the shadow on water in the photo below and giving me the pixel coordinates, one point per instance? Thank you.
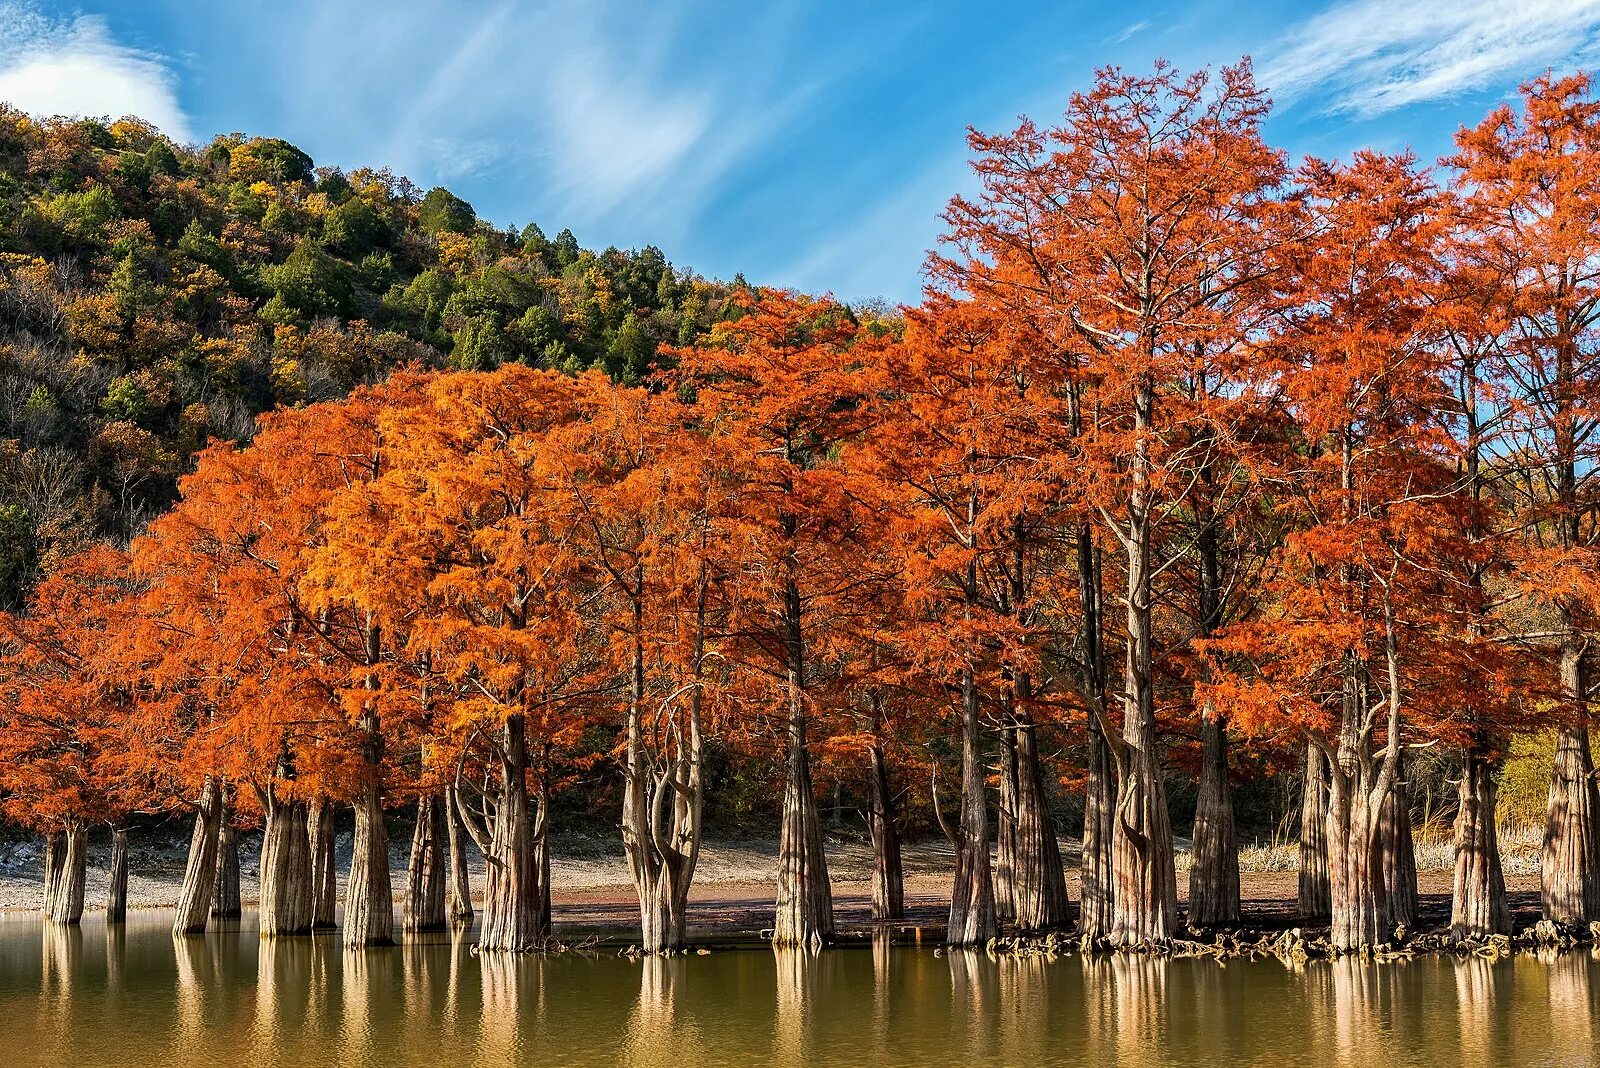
(135, 996)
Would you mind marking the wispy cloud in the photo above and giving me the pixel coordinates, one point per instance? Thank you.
(74, 67)
(1368, 57)
(1133, 31)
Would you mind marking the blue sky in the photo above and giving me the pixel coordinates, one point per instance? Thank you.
(805, 144)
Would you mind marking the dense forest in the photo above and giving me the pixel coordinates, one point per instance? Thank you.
(154, 297)
(1195, 462)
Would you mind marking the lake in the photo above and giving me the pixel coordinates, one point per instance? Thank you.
(133, 996)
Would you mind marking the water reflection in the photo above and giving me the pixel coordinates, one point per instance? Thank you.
(139, 998)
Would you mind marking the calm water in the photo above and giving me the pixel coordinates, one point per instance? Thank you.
(93, 996)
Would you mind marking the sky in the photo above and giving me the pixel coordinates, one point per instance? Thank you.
(810, 145)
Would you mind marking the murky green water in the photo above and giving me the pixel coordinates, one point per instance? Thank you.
(93, 996)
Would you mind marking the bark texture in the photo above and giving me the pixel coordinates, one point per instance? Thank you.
(285, 903)
(461, 911)
(804, 914)
(1478, 905)
(1214, 874)
(1399, 857)
(1005, 837)
(200, 874)
(972, 912)
(226, 903)
(1315, 902)
(1570, 857)
(1039, 881)
(423, 908)
(324, 881)
(514, 904)
(117, 889)
(64, 907)
(888, 875)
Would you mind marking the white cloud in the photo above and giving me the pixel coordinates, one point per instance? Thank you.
(76, 68)
(1367, 57)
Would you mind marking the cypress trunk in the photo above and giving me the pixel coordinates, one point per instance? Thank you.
(461, 912)
(200, 874)
(1039, 880)
(226, 900)
(1478, 905)
(1315, 900)
(1214, 873)
(66, 907)
(888, 877)
(55, 854)
(972, 911)
(1096, 914)
(368, 899)
(285, 899)
(424, 906)
(804, 913)
(324, 881)
(1570, 857)
(1399, 857)
(117, 890)
(514, 899)
(1005, 845)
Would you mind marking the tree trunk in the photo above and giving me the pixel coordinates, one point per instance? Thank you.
(461, 911)
(66, 907)
(424, 906)
(324, 881)
(1315, 901)
(972, 912)
(226, 901)
(1398, 851)
(1570, 858)
(1478, 900)
(1039, 882)
(888, 877)
(804, 913)
(117, 890)
(368, 897)
(55, 855)
(514, 898)
(200, 874)
(1005, 846)
(1214, 874)
(285, 899)
(1146, 897)
(1096, 911)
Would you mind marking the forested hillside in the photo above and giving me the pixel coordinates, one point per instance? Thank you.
(153, 297)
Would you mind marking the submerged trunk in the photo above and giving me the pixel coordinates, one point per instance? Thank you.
(972, 913)
(460, 881)
(1005, 845)
(226, 902)
(424, 905)
(1399, 858)
(285, 900)
(1356, 886)
(55, 854)
(888, 877)
(1315, 900)
(368, 898)
(71, 873)
(199, 875)
(1478, 900)
(1214, 874)
(514, 899)
(1570, 858)
(804, 914)
(1039, 882)
(324, 882)
(117, 890)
